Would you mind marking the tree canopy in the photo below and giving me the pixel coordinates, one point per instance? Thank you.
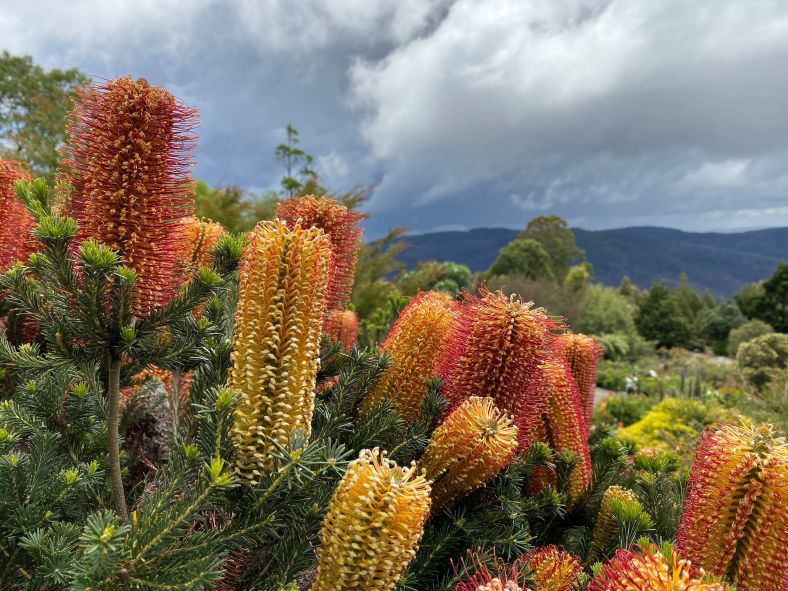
(557, 239)
(523, 256)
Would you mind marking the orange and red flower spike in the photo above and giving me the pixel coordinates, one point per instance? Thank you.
(495, 349)
(373, 525)
(201, 236)
(126, 168)
(473, 444)
(342, 326)
(341, 225)
(563, 426)
(16, 223)
(476, 575)
(415, 345)
(646, 568)
(582, 354)
(735, 518)
(553, 569)
(282, 278)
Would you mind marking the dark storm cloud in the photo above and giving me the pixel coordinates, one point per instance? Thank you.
(467, 113)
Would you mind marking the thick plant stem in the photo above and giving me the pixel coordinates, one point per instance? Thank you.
(113, 418)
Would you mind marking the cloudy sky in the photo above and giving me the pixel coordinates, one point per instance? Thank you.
(466, 113)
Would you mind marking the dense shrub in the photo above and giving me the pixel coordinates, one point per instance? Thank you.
(746, 332)
(764, 358)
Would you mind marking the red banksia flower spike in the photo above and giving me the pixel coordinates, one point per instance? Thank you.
(646, 568)
(340, 223)
(126, 167)
(473, 444)
(16, 223)
(582, 354)
(735, 518)
(415, 344)
(563, 427)
(373, 526)
(476, 575)
(495, 349)
(342, 326)
(282, 279)
(553, 569)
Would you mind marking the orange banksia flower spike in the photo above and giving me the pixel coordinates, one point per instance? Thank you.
(582, 354)
(553, 569)
(414, 344)
(606, 528)
(341, 225)
(201, 236)
(563, 427)
(495, 349)
(473, 444)
(373, 526)
(342, 326)
(16, 223)
(646, 568)
(476, 575)
(735, 518)
(126, 165)
(282, 280)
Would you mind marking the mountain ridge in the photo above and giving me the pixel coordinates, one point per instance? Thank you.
(718, 262)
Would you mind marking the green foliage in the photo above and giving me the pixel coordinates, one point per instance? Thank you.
(605, 311)
(748, 298)
(523, 256)
(625, 409)
(746, 332)
(763, 358)
(377, 265)
(662, 318)
(773, 307)
(235, 208)
(298, 163)
(33, 106)
(432, 275)
(557, 240)
(671, 424)
(578, 277)
(717, 323)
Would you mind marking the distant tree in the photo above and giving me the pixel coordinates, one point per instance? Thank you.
(773, 306)
(523, 256)
(746, 332)
(235, 208)
(605, 311)
(716, 324)
(661, 318)
(690, 300)
(298, 164)
(763, 358)
(447, 276)
(33, 107)
(578, 277)
(748, 298)
(376, 271)
(628, 289)
(557, 239)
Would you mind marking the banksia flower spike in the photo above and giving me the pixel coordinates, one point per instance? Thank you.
(606, 528)
(414, 344)
(582, 354)
(201, 236)
(373, 526)
(342, 326)
(495, 349)
(563, 427)
(16, 223)
(504, 578)
(473, 444)
(341, 225)
(126, 162)
(282, 280)
(647, 568)
(553, 569)
(735, 518)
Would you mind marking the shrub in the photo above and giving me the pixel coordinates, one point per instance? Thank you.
(746, 332)
(671, 425)
(763, 359)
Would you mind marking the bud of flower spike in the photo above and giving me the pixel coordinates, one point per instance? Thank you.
(582, 354)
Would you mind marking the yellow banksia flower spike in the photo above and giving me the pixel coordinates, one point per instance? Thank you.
(340, 223)
(735, 518)
(282, 280)
(125, 169)
(563, 427)
(582, 353)
(414, 345)
(342, 326)
(473, 444)
(606, 527)
(373, 526)
(646, 568)
(553, 569)
(495, 348)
